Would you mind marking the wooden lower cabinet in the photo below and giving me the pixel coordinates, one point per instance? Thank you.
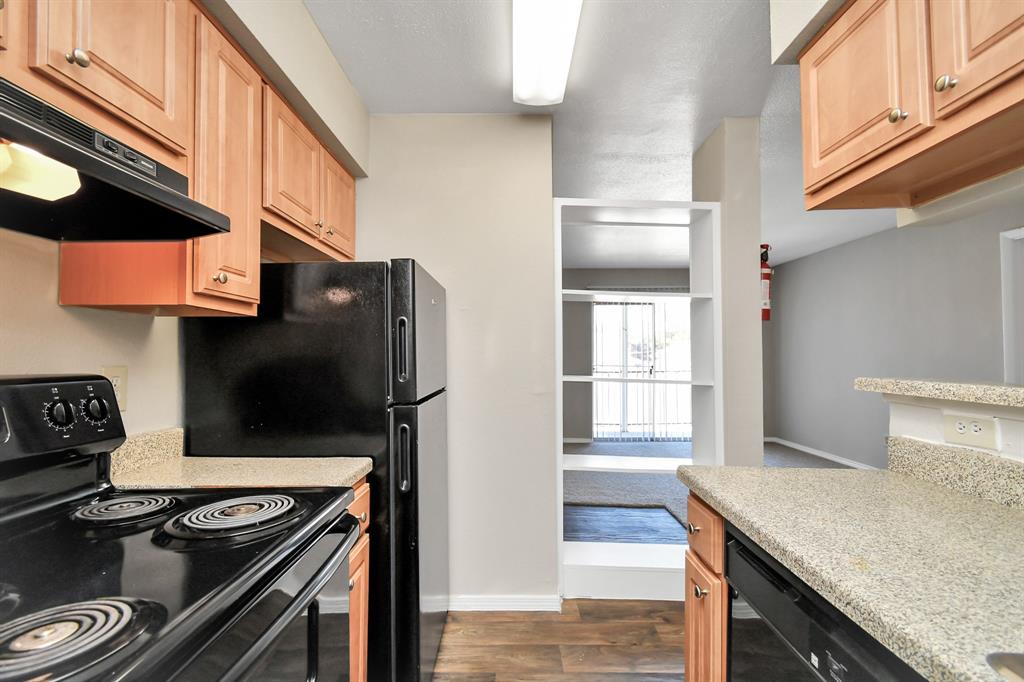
(707, 622)
(359, 607)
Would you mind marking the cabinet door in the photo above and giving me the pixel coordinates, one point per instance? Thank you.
(3, 25)
(227, 166)
(291, 165)
(129, 57)
(864, 86)
(706, 613)
(339, 200)
(980, 44)
(359, 607)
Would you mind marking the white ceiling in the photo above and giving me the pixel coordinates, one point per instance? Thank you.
(650, 80)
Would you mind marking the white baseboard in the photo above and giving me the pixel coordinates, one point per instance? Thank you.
(818, 453)
(505, 602)
(582, 441)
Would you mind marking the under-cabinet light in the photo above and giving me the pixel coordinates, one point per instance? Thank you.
(26, 171)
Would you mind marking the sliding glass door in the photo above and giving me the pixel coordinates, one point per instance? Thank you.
(639, 349)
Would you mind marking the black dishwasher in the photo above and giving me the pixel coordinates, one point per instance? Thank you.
(789, 632)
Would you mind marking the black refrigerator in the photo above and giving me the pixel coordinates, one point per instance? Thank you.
(345, 359)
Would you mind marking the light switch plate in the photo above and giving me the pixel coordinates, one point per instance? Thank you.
(975, 432)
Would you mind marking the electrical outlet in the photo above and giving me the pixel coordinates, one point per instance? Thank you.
(976, 432)
(118, 376)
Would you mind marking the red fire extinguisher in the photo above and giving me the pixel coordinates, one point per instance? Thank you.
(766, 284)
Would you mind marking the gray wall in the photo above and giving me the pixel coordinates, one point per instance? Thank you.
(915, 302)
(577, 335)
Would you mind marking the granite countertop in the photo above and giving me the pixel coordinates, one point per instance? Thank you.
(1009, 395)
(155, 460)
(934, 575)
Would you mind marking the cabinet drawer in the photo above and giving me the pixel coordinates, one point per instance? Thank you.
(705, 531)
(360, 507)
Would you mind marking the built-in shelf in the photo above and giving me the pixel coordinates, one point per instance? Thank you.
(587, 379)
(595, 296)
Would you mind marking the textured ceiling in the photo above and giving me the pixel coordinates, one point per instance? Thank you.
(792, 231)
(650, 80)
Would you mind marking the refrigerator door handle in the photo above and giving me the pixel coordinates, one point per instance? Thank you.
(403, 349)
(404, 458)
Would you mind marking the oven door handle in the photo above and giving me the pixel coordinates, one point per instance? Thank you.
(300, 603)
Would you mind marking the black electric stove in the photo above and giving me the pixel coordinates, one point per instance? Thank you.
(182, 584)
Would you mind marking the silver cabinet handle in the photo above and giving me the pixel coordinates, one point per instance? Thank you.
(221, 277)
(699, 593)
(691, 529)
(330, 231)
(319, 223)
(362, 518)
(78, 56)
(945, 82)
(351, 585)
(897, 115)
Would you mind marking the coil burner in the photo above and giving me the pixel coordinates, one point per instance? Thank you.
(239, 519)
(72, 638)
(118, 510)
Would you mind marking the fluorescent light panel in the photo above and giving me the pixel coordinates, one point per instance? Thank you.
(543, 37)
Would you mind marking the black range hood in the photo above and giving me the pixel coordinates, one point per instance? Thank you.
(61, 179)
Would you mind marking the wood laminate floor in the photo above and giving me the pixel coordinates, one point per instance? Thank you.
(621, 524)
(590, 640)
(595, 640)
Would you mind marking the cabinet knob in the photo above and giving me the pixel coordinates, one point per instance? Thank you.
(351, 585)
(221, 277)
(330, 231)
(362, 518)
(897, 115)
(691, 529)
(945, 82)
(699, 593)
(78, 56)
(319, 223)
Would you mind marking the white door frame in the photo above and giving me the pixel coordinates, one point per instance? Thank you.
(716, 290)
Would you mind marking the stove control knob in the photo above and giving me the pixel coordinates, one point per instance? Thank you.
(60, 414)
(96, 410)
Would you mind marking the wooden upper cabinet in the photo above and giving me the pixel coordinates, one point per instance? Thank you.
(227, 166)
(129, 57)
(977, 45)
(291, 165)
(707, 622)
(339, 206)
(3, 27)
(863, 86)
(359, 608)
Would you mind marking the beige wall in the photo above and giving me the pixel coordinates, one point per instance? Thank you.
(794, 23)
(37, 336)
(726, 169)
(469, 197)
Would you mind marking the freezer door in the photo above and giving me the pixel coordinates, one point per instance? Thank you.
(420, 495)
(418, 333)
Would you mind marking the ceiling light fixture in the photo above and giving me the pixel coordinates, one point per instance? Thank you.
(543, 37)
